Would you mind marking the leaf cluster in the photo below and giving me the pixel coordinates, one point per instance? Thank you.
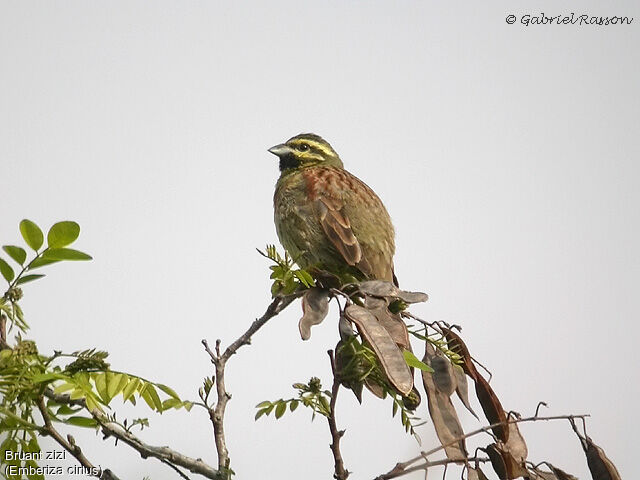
(79, 391)
(59, 237)
(205, 390)
(76, 389)
(286, 278)
(310, 395)
(407, 418)
(438, 340)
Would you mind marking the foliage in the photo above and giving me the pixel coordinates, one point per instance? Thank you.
(285, 278)
(76, 389)
(438, 340)
(310, 395)
(60, 235)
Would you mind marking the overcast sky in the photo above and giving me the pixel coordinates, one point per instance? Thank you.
(507, 156)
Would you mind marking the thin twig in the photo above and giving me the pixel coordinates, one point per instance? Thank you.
(540, 404)
(3, 332)
(176, 469)
(437, 326)
(340, 473)
(219, 360)
(399, 470)
(402, 468)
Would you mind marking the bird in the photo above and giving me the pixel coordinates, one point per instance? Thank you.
(331, 222)
(328, 219)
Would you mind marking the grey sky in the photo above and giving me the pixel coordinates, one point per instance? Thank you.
(506, 155)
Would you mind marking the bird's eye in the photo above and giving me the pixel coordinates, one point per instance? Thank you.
(303, 147)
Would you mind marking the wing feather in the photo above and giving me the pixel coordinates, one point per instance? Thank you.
(338, 229)
(336, 194)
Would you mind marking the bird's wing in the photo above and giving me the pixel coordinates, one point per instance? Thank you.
(354, 220)
(337, 227)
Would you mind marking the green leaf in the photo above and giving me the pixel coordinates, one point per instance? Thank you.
(326, 408)
(41, 262)
(116, 384)
(7, 271)
(100, 380)
(130, 389)
(62, 234)
(66, 410)
(264, 404)
(64, 387)
(65, 254)
(281, 408)
(31, 234)
(76, 393)
(29, 278)
(150, 395)
(413, 361)
(92, 403)
(17, 253)
(259, 413)
(305, 278)
(32, 470)
(33, 445)
(82, 422)
(46, 377)
(171, 403)
(293, 405)
(168, 390)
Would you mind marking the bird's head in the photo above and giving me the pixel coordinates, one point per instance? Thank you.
(305, 150)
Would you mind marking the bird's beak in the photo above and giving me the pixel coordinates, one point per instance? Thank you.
(280, 150)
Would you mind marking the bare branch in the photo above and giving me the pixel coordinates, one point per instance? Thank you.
(164, 454)
(540, 404)
(275, 307)
(402, 468)
(399, 470)
(219, 360)
(176, 469)
(340, 473)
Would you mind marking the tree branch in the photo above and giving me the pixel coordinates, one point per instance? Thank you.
(164, 454)
(399, 470)
(340, 473)
(219, 360)
(275, 307)
(70, 446)
(402, 468)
